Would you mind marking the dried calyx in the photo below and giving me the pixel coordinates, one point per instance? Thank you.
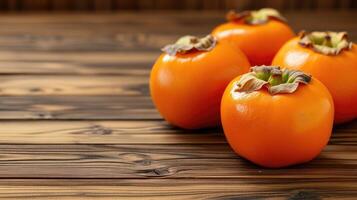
(273, 78)
(255, 17)
(327, 43)
(190, 43)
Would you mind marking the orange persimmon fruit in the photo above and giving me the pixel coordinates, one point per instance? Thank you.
(332, 59)
(188, 80)
(277, 118)
(259, 34)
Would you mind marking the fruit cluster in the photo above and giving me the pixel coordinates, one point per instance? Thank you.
(277, 113)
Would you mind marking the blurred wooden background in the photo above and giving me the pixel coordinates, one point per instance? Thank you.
(113, 5)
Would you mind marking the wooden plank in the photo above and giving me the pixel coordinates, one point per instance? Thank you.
(3, 5)
(145, 4)
(108, 132)
(12, 5)
(125, 5)
(277, 4)
(175, 22)
(103, 5)
(62, 5)
(169, 161)
(348, 127)
(34, 5)
(127, 132)
(165, 4)
(146, 18)
(77, 107)
(324, 188)
(343, 4)
(48, 34)
(59, 42)
(127, 85)
(149, 5)
(58, 34)
(82, 5)
(192, 4)
(211, 4)
(326, 4)
(74, 68)
(105, 63)
(122, 58)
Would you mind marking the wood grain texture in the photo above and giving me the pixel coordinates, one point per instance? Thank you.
(127, 132)
(166, 161)
(107, 5)
(77, 121)
(127, 84)
(106, 132)
(53, 67)
(77, 107)
(103, 5)
(55, 35)
(179, 189)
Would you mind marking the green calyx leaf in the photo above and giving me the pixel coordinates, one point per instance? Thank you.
(273, 78)
(255, 17)
(327, 43)
(188, 43)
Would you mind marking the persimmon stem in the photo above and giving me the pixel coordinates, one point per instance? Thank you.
(255, 17)
(275, 79)
(327, 43)
(189, 43)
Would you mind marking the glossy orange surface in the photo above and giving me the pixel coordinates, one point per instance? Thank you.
(187, 88)
(337, 72)
(278, 130)
(259, 42)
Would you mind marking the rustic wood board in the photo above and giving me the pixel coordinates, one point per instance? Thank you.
(112, 5)
(77, 122)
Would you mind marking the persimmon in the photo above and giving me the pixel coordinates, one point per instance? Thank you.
(259, 34)
(276, 118)
(332, 59)
(188, 80)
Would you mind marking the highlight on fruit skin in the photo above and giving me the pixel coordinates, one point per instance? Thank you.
(331, 58)
(188, 79)
(259, 34)
(277, 127)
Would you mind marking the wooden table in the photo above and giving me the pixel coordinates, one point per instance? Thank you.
(76, 119)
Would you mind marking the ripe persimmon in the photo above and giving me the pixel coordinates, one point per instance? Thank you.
(331, 58)
(259, 34)
(188, 80)
(276, 118)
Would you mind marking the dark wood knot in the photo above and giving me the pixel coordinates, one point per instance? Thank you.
(100, 130)
(157, 172)
(35, 89)
(299, 195)
(136, 158)
(43, 115)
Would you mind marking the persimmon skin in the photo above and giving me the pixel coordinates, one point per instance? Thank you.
(187, 88)
(259, 42)
(278, 130)
(337, 72)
